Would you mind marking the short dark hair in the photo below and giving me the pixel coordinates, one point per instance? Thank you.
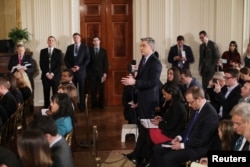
(233, 71)
(51, 37)
(245, 70)
(76, 33)
(96, 37)
(180, 38)
(186, 72)
(46, 124)
(69, 72)
(196, 92)
(203, 32)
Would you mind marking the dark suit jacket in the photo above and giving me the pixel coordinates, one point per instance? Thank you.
(203, 131)
(209, 56)
(174, 119)
(174, 52)
(8, 103)
(61, 154)
(56, 62)
(82, 59)
(229, 102)
(9, 158)
(147, 85)
(194, 82)
(98, 64)
(27, 59)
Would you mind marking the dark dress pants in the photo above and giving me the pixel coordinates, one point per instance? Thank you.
(172, 158)
(96, 88)
(47, 84)
(79, 81)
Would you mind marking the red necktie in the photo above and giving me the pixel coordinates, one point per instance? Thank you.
(19, 59)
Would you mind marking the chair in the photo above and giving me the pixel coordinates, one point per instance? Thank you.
(4, 133)
(69, 137)
(129, 129)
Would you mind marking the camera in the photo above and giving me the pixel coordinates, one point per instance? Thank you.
(215, 80)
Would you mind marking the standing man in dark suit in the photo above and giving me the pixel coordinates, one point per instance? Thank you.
(50, 64)
(146, 84)
(196, 139)
(77, 58)
(97, 68)
(209, 57)
(180, 55)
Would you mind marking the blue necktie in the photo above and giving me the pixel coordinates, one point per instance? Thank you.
(190, 126)
(238, 143)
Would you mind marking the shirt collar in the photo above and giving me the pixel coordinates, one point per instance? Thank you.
(59, 137)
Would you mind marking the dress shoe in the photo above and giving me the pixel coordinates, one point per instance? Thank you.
(130, 157)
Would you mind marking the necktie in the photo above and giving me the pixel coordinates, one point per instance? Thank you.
(238, 143)
(190, 126)
(76, 50)
(19, 59)
(50, 54)
(180, 63)
(143, 61)
(96, 51)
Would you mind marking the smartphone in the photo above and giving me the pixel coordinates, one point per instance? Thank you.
(215, 80)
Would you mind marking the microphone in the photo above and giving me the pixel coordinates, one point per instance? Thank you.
(131, 67)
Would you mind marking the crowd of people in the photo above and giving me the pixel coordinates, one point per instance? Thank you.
(44, 138)
(192, 117)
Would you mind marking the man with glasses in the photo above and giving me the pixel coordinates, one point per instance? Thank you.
(240, 115)
(228, 95)
(196, 139)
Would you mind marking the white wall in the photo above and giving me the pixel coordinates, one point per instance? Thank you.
(164, 20)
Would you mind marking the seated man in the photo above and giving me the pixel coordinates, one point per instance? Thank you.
(240, 114)
(60, 151)
(8, 104)
(196, 139)
(188, 80)
(67, 77)
(228, 95)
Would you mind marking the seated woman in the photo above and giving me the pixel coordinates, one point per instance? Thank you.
(33, 149)
(61, 110)
(173, 120)
(71, 91)
(23, 83)
(225, 134)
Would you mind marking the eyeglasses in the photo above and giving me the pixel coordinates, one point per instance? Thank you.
(191, 102)
(227, 78)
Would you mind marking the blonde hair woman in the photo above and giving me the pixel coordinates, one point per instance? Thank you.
(23, 83)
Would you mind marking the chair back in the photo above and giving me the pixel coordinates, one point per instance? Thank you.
(4, 133)
(69, 137)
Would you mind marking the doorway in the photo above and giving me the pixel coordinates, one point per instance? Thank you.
(111, 20)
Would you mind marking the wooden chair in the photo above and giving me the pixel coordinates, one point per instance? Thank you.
(4, 133)
(26, 112)
(69, 137)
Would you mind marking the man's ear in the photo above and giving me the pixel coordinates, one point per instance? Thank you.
(49, 137)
